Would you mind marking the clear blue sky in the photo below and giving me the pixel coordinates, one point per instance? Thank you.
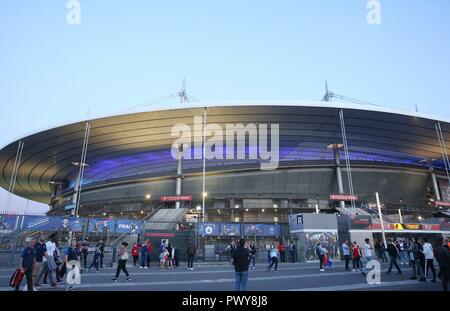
(125, 53)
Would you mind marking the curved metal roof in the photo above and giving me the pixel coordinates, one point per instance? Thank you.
(138, 143)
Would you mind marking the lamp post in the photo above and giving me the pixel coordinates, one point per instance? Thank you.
(381, 219)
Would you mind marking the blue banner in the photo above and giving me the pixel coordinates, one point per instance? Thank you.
(253, 229)
(101, 225)
(230, 229)
(272, 230)
(7, 223)
(208, 229)
(42, 223)
(129, 226)
(66, 224)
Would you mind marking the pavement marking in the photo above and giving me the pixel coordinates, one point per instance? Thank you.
(359, 286)
(206, 281)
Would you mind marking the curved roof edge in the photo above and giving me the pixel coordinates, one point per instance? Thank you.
(196, 105)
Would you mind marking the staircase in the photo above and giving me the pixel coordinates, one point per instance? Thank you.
(166, 219)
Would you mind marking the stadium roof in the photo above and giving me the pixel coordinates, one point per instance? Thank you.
(139, 142)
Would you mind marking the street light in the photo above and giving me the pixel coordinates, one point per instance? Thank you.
(205, 194)
(148, 196)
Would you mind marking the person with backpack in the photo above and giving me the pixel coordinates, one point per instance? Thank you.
(122, 263)
(101, 246)
(190, 251)
(393, 255)
(414, 257)
(241, 261)
(442, 254)
(169, 256)
(321, 252)
(356, 257)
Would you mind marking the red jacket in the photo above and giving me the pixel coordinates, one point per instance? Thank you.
(150, 247)
(135, 251)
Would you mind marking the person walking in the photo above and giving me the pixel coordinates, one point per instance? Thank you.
(85, 252)
(135, 253)
(26, 262)
(429, 258)
(402, 251)
(190, 251)
(149, 252)
(101, 246)
(50, 265)
(241, 261)
(346, 253)
(144, 254)
(321, 252)
(40, 252)
(414, 258)
(123, 256)
(442, 254)
(96, 260)
(367, 255)
(274, 258)
(72, 261)
(253, 254)
(393, 255)
(169, 256)
(176, 256)
(282, 249)
(356, 255)
(292, 252)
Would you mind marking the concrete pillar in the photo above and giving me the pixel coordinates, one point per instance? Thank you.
(435, 185)
(337, 163)
(179, 175)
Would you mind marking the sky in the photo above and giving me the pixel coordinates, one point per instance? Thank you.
(126, 53)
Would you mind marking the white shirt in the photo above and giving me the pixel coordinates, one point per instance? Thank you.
(428, 251)
(367, 250)
(51, 247)
(273, 252)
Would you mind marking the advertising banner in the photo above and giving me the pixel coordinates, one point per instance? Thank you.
(7, 223)
(343, 197)
(445, 189)
(128, 226)
(230, 229)
(253, 229)
(361, 222)
(175, 198)
(272, 230)
(42, 223)
(208, 228)
(67, 224)
(101, 225)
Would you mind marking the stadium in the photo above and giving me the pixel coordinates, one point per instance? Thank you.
(128, 168)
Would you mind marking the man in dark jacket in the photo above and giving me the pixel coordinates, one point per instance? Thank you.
(241, 261)
(443, 258)
(393, 254)
(191, 250)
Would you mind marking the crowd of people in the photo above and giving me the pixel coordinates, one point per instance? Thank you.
(417, 253)
(44, 260)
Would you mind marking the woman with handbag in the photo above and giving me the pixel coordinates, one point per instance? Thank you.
(123, 256)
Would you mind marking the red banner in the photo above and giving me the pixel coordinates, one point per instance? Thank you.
(160, 234)
(343, 197)
(175, 198)
(439, 203)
